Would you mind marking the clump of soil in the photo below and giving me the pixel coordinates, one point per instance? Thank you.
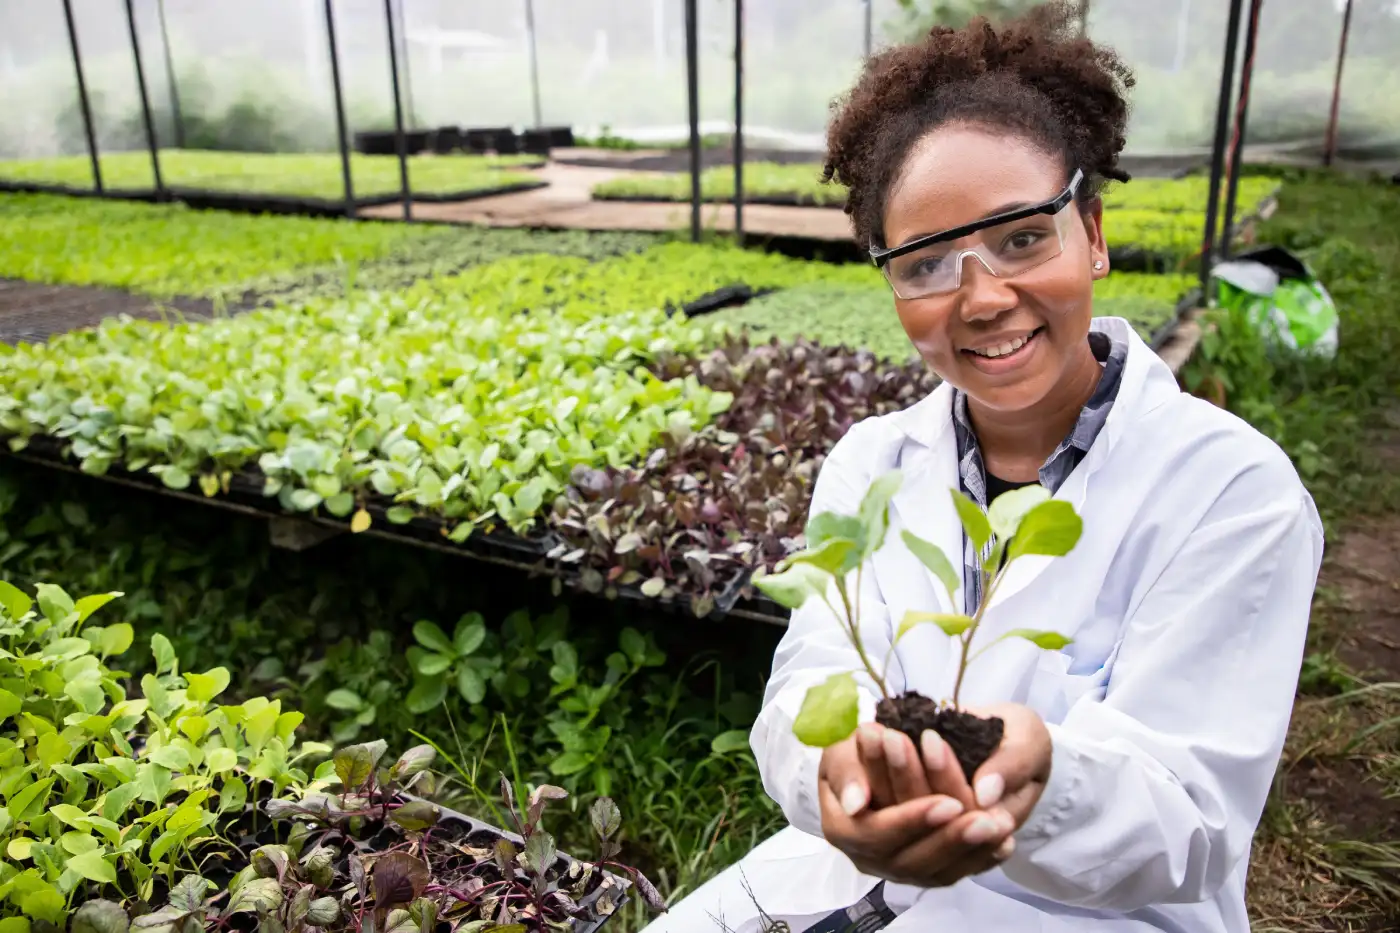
(972, 738)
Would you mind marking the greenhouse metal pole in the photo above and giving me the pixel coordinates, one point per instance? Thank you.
(400, 143)
(1232, 189)
(151, 142)
(534, 62)
(739, 122)
(869, 26)
(692, 80)
(1222, 129)
(175, 116)
(83, 97)
(1083, 17)
(1329, 151)
(407, 77)
(340, 111)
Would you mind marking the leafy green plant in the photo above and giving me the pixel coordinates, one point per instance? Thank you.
(311, 175)
(799, 183)
(109, 791)
(1021, 523)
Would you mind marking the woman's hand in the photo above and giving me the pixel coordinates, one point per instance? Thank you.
(914, 819)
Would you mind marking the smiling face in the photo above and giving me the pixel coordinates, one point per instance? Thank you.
(1009, 342)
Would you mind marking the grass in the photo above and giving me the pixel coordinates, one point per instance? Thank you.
(315, 175)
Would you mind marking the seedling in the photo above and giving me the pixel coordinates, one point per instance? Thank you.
(1020, 523)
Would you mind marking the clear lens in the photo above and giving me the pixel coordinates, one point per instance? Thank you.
(1005, 250)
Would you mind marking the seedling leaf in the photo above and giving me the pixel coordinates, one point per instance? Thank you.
(830, 712)
(794, 586)
(974, 520)
(833, 556)
(952, 625)
(932, 557)
(875, 510)
(1050, 641)
(1008, 509)
(1051, 529)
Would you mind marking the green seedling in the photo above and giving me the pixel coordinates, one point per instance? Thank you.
(1022, 523)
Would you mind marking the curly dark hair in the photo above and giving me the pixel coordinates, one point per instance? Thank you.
(1035, 76)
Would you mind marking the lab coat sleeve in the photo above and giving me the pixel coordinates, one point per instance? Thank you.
(814, 647)
(1155, 792)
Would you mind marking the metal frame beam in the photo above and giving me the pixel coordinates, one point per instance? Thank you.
(150, 124)
(1222, 129)
(83, 102)
(1329, 150)
(400, 143)
(1236, 164)
(692, 75)
(341, 129)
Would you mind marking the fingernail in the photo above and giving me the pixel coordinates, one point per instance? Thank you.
(1004, 819)
(989, 789)
(943, 811)
(1003, 852)
(894, 748)
(935, 749)
(983, 829)
(852, 799)
(870, 742)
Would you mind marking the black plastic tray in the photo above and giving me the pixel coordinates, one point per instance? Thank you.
(245, 495)
(562, 862)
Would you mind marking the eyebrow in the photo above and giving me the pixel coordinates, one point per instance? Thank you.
(1003, 209)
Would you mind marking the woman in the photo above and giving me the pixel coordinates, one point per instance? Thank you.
(1136, 761)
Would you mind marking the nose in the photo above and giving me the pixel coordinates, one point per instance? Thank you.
(983, 295)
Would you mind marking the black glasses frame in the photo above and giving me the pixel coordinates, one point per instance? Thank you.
(1059, 202)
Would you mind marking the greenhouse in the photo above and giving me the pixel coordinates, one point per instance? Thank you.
(412, 414)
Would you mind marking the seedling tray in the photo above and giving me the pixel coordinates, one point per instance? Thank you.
(245, 495)
(465, 827)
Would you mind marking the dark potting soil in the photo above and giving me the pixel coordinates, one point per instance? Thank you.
(971, 738)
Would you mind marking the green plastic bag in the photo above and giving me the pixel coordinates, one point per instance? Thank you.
(1281, 297)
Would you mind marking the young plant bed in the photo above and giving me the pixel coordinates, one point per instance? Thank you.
(1023, 522)
(710, 506)
(764, 183)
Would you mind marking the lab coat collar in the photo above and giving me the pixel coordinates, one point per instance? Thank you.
(924, 504)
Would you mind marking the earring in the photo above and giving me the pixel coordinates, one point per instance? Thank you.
(1098, 264)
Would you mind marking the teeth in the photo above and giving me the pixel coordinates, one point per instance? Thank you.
(1011, 346)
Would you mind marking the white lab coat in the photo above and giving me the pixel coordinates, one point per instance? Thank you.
(1187, 600)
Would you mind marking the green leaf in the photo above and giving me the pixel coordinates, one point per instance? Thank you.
(344, 700)
(1006, 511)
(726, 743)
(219, 760)
(416, 815)
(428, 663)
(470, 684)
(932, 557)
(822, 528)
(28, 803)
(94, 866)
(427, 694)
(54, 603)
(9, 704)
(174, 477)
(952, 625)
(430, 636)
(794, 586)
(21, 924)
(172, 757)
(834, 556)
(470, 633)
(875, 510)
(164, 653)
(570, 763)
(1050, 641)
(974, 520)
(355, 763)
(90, 604)
(258, 896)
(204, 687)
(341, 504)
(115, 639)
(1051, 529)
(653, 587)
(116, 801)
(14, 601)
(399, 515)
(830, 712)
(88, 694)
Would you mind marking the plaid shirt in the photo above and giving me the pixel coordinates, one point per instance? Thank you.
(973, 474)
(871, 913)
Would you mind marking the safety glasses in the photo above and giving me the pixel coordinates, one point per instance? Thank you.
(1006, 244)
